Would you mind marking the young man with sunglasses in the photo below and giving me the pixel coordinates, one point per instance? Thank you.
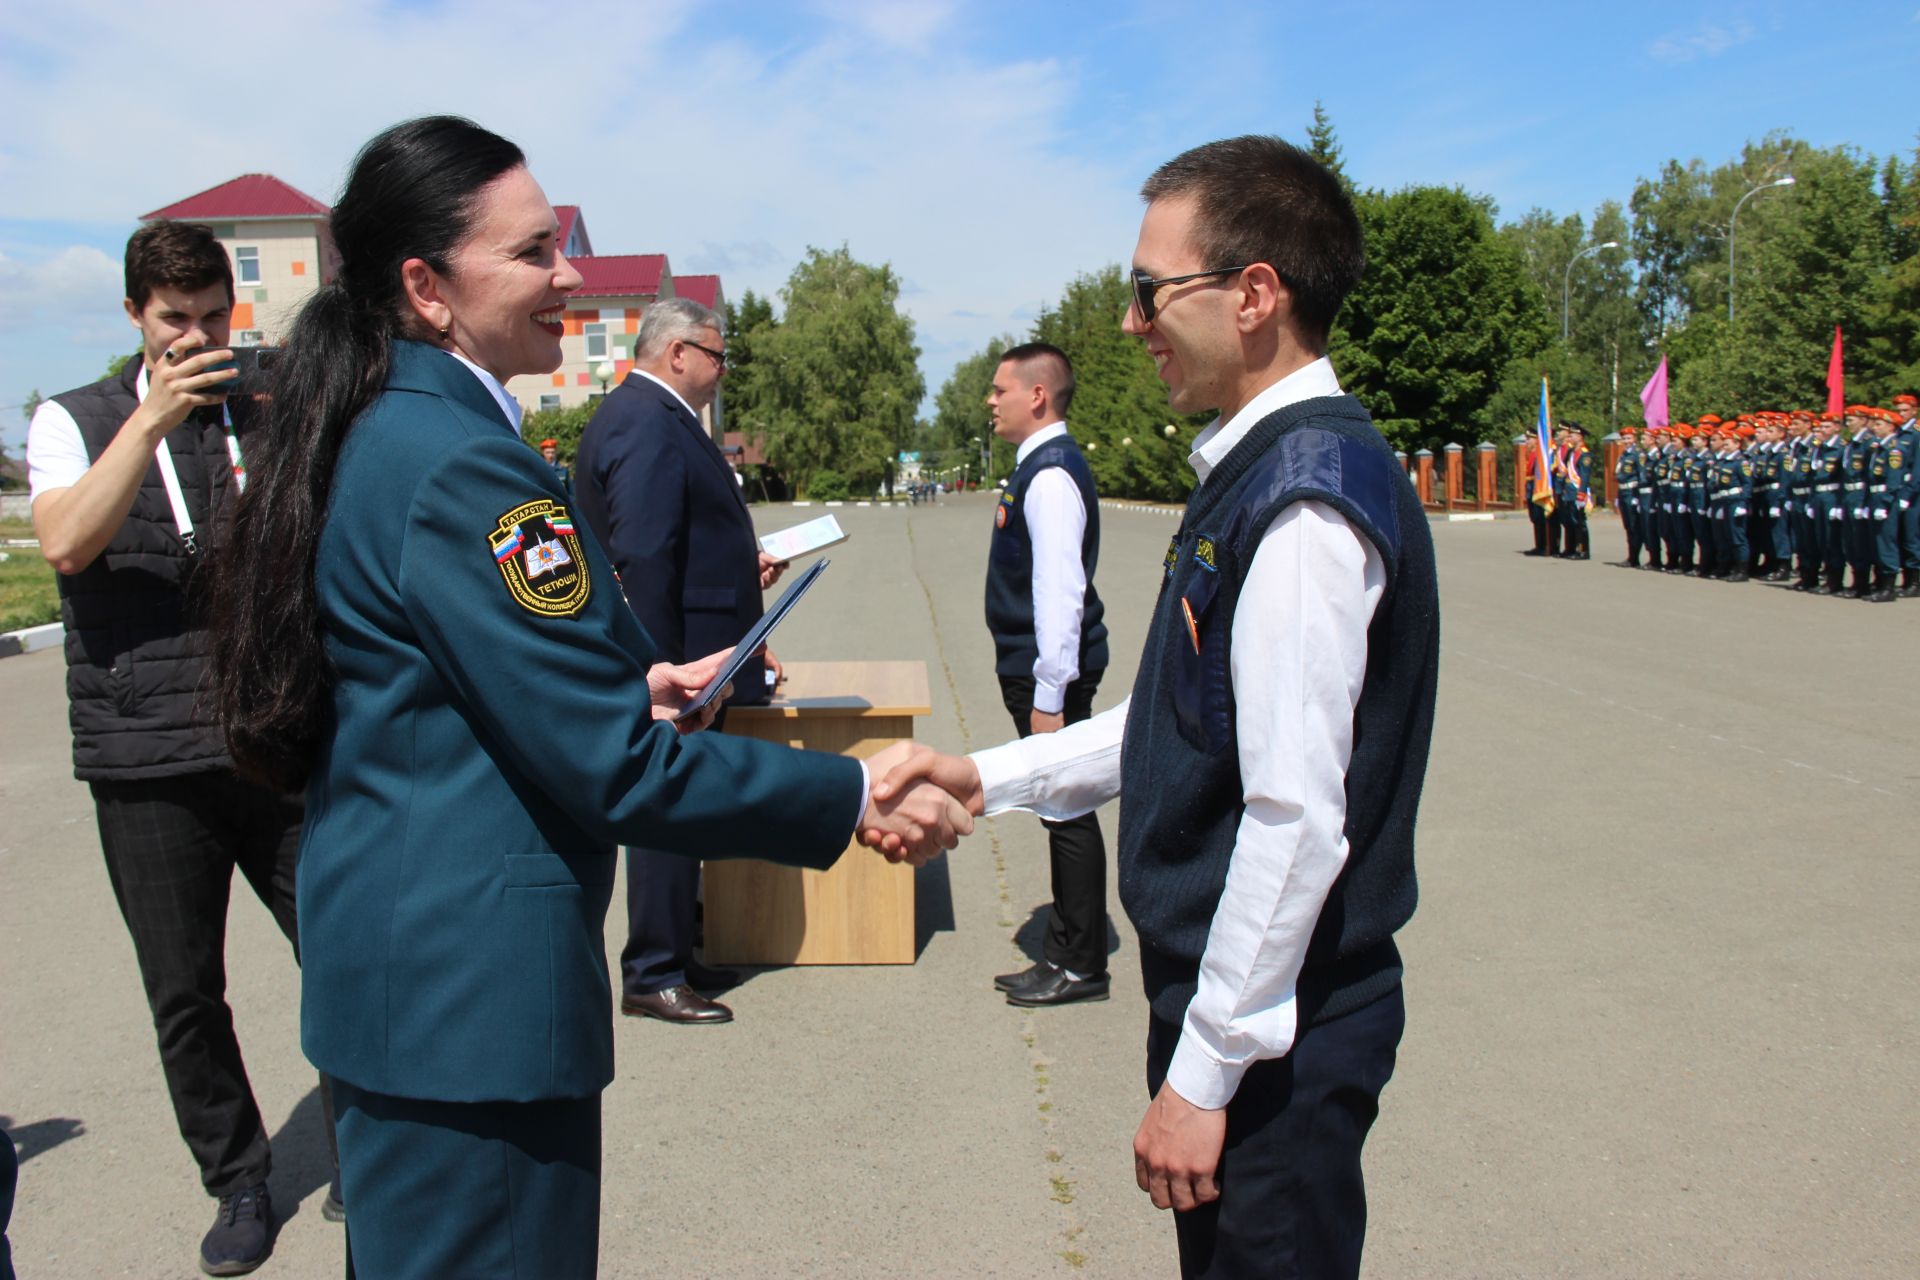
(1270, 760)
(659, 495)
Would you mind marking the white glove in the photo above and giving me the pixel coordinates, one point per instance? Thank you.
(1880, 515)
(1835, 514)
(1739, 511)
(1904, 504)
(1774, 512)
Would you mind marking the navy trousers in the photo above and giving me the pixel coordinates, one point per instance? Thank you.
(478, 1190)
(1292, 1200)
(661, 891)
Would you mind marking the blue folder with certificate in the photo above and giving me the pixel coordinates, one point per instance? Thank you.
(751, 642)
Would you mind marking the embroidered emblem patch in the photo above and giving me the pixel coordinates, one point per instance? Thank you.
(1173, 553)
(1203, 553)
(538, 552)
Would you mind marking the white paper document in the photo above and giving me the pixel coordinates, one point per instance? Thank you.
(803, 539)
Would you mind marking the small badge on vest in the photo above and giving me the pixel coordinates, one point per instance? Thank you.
(538, 552)
(1203, 552)
(1000, 512)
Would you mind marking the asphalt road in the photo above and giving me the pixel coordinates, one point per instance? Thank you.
(1660, 985)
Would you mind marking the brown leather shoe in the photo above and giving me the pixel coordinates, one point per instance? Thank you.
(675, 1004)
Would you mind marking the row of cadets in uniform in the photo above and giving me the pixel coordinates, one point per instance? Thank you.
(1785, 497)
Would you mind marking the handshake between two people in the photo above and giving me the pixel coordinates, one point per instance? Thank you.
(921, 802)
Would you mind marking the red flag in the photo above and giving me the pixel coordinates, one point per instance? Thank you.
(1836, 377)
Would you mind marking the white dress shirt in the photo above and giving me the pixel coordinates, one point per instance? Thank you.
(1299, 660)
(508, 405)
(1057, 524)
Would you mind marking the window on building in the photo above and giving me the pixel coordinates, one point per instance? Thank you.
(249, 337)
(246, 262)
(596, 335)
(549, 402)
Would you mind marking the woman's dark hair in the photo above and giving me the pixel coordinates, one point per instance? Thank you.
(411, 193)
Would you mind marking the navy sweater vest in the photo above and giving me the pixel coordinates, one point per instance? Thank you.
(1181, 796)
(1010, 566)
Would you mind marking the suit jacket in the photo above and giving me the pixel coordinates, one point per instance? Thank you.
(661, 498)
(492, 744)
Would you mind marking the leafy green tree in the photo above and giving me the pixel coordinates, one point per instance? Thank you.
(837, 380)
(34, 401)
(1323, 144)
(1444, 307)
(745, 323)
(562, 426)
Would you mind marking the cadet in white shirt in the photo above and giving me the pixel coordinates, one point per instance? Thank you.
(1050, 646)
(1270, 761)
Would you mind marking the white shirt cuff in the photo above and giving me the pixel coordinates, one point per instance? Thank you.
(1201, 1078)
(1049, 697)
(1005, 781)
(866, 790)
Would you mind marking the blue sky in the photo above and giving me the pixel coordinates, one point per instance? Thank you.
(989, 151)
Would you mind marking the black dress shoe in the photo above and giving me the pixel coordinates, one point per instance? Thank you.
(242, 1233)
(1020, 981)
(1058, 988)
(676, 1004)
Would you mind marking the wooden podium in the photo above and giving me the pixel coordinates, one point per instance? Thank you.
(860, 911)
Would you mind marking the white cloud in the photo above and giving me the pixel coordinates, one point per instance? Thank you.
(1704, 40)
(872, 130)
(73, 285)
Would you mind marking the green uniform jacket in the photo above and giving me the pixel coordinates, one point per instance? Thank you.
(493, 743)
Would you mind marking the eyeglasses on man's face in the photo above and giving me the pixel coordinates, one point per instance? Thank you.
(719, 357)
(1145, 287)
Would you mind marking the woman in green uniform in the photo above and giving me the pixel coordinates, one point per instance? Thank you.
(412, 624)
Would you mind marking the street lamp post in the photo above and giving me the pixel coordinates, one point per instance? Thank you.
(604, 372)
(1566, 285)
(1777, 182)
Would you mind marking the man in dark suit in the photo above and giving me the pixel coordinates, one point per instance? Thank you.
(658, 494)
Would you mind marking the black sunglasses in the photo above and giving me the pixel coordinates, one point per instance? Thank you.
(719, 357)
(1145, 287)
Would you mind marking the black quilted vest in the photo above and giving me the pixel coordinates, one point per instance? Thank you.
(136, 640)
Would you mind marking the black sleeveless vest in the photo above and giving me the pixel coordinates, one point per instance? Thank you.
(136, 641)
(1010, 566)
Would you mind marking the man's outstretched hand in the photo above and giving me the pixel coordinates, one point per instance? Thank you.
(909, 768)
(919, 803)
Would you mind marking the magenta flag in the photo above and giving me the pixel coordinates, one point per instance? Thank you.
(1653, 397)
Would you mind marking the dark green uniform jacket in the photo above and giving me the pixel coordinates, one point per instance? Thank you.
(493, 744)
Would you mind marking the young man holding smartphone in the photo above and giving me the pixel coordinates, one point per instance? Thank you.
(131, 479)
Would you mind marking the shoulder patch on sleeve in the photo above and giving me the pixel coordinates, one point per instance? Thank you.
(540, 558)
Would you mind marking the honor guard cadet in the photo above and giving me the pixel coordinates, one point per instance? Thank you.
(1651, 442)
(1908, 433)
(1770, 500)
(1829, 463)
(1797, 464)
(1627, 473)
(1546, 534)
(1693, 478)
(1730, 498)
(1856, 525)
(550, 450)
(1576, 492)
(1673, 518)
(1889, 474)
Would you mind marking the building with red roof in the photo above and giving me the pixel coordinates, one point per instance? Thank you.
(277, 237)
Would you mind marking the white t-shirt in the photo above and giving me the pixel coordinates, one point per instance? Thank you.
(56, 455)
